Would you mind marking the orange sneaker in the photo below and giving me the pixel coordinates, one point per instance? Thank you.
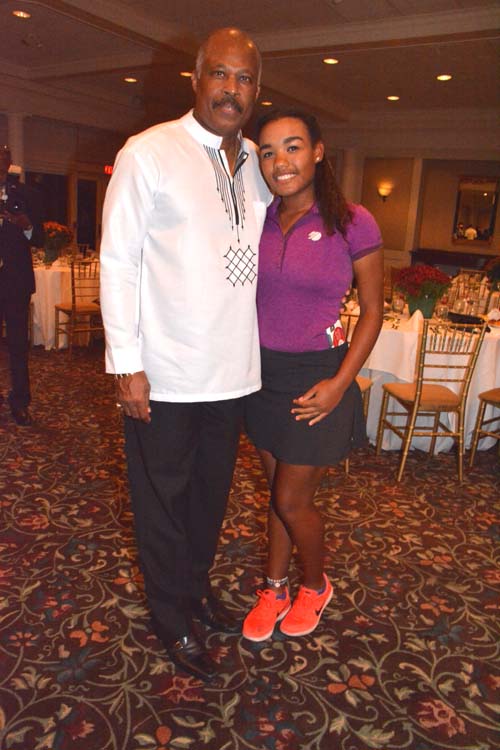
(306, 610)
(259, 624)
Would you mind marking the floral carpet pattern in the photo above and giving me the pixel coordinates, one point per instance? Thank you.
(407, 655)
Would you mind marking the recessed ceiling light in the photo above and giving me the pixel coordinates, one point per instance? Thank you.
(393, 98)
(185, 73)
(130, 79)
(266, 103)
(444, 77)
(330, 60)
(21, 14)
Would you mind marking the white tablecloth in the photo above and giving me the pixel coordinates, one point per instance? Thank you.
(53, 285)
(393, 359)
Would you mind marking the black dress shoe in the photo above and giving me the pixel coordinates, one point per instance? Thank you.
(213, 614)
(21, 415)
(190, 655)
(187, 653)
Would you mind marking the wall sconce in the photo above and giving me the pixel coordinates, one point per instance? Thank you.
(384, 190)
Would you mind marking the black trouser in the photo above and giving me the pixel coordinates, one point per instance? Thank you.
(15, 312)
(180, 472)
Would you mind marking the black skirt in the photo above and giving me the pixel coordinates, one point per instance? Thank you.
(271, 426)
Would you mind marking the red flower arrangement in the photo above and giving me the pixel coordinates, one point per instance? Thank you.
(57, 234)
(55, 238)
(421, 280)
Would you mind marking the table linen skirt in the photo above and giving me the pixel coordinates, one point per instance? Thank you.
(271, 426)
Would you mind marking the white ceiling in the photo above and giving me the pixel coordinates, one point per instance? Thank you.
(69, 59)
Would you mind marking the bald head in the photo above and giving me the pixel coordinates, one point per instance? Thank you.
(228, 36)
(226, 83)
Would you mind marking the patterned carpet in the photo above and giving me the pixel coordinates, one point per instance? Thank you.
(406, 656)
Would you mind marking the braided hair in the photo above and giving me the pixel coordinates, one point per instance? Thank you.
(332, 205)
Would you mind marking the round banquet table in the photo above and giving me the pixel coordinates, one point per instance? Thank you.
(393, 359)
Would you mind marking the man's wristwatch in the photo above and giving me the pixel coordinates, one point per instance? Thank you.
(121, 375)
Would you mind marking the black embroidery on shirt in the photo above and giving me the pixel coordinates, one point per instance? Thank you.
(231, 190)
(240, 265)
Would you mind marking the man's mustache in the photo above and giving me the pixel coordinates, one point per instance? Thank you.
(228, 99)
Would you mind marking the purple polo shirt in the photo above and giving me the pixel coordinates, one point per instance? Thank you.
(304, 274)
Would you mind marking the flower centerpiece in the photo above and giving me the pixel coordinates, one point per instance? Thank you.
(55, 238)
(492, 271)
(423, 286)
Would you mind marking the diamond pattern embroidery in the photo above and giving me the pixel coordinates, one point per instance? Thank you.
(241, 265)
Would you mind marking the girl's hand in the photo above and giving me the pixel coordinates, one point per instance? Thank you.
(318, 401)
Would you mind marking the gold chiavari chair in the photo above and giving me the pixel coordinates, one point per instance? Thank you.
(474, 273)
(483, 426)
(469, 293)
(82, 315)
(83, 249)
(446, 361)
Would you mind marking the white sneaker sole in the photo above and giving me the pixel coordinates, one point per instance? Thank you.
(259, 638)
(313, 628)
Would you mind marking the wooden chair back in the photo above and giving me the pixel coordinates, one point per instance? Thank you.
(84, 282)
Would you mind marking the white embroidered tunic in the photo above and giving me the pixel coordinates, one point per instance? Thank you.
(179, 257)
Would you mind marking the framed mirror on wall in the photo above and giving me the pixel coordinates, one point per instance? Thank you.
(477, 199)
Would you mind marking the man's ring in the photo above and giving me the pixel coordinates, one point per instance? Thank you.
(119, 406)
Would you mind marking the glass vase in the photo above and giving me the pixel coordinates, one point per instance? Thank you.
(424, 303)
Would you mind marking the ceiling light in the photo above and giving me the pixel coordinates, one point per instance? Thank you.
(21, 14)
(266, 103)
(393, 98)
(130, 79)
(330, 60)
(444, 77)
(185, 73)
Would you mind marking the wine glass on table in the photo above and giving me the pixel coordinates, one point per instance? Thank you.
(441, 310)
(398, 306)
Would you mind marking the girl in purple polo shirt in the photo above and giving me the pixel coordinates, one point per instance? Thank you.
(308, 414)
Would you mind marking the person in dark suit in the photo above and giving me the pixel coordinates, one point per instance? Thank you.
(20, 227)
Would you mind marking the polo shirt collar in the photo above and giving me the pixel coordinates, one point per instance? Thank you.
(204, 136)
(273, 208)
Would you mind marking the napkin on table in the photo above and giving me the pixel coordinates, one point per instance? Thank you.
(494, 314)
(415, 323)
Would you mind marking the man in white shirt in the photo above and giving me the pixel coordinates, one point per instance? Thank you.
(182, 220)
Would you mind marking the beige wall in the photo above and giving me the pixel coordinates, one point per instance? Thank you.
(439, 195)
(437, 203)
(391, 215)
